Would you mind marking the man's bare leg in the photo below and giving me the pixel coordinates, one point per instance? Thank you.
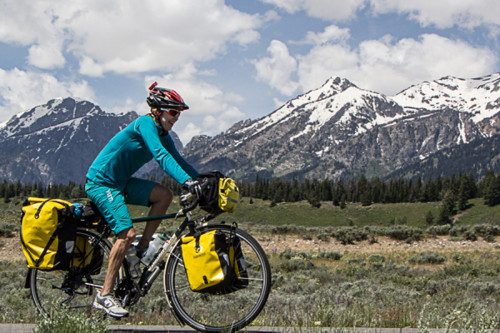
(116, 257)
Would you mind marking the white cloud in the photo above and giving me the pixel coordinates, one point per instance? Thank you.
(210, 109)
(444, 13)
(130, 105)
(277, 69)
(37, 26)
(389, 66)
(331, 33)
(329, 10)
(46, 56)
(22, 90)
(325, 61)
(140, 36)
(188, 131)
(135, 36)
(385, 65)
(441, 13)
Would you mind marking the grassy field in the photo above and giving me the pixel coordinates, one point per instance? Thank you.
(449, 287)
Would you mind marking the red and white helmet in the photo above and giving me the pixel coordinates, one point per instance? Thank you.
(162, 98)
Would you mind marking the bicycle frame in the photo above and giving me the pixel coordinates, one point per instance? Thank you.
(187, 223)
(152, 271)
(154, 268)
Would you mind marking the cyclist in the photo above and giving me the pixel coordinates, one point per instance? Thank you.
(110, 184)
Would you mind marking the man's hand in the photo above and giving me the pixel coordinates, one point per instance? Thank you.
(193, 186)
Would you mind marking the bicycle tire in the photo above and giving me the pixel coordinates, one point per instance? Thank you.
(73, 289)
(216, 313)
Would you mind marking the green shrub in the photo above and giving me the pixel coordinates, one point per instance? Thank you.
(458, 257)
(7, 229)
(487, 231)
(349, 235)
(405, 233)
(335, 255)
(324, 237)
(428, 258)
(296, 264)
(376, 258)
(470, 235)
(64, 322)
(440, 230)
(457, 230)
(289, 254)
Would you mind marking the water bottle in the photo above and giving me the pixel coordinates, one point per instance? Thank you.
(154, 248)
(134, 262)
(78, 210)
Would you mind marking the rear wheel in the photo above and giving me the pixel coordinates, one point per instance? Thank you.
(74, 289)
(220, 312)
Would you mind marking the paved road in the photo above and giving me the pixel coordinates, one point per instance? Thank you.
(28, 328)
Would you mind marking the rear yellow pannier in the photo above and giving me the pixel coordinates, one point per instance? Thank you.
(87, 256)
(48, 229)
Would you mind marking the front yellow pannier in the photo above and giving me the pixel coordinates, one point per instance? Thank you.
(206, 260)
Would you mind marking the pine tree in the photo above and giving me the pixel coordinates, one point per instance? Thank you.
(342, 201)
(449, 201)
(492, 195)
(429, 218)
(3, 188)
(363, 191)
(462, 196)
(444, 215)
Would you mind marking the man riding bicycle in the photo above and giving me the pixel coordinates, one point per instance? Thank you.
(110, 184)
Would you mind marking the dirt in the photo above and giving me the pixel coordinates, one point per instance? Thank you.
(382, 244)
(10, 248)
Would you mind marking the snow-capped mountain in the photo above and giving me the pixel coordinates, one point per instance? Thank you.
(336, 130)
(478, 96)
(340, 129)
(56, 142)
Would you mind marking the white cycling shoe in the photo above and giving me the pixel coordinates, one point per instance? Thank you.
(109, 304)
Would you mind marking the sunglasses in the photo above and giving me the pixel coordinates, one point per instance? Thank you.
(172, 112)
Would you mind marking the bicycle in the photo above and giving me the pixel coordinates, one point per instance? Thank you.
(207, 312)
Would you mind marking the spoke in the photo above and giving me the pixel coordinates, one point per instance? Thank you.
(93, 285)
(252, 279)
(183, 287)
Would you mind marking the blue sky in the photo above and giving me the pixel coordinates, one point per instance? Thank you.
(237, 59)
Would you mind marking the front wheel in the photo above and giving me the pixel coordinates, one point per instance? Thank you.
(209, 312)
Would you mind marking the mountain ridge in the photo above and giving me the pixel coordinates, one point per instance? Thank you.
(336, 130)
(320, 128)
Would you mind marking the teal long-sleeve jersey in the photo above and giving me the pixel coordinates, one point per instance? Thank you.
(133, 147)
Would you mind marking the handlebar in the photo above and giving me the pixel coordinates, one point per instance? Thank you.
(188, 206)
(185, 197)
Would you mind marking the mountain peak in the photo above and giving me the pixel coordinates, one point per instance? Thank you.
(479, 97)
(57, 141)
(338, 83)
(54, 112)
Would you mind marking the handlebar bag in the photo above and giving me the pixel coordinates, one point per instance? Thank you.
(220, 193)
(48, 230)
